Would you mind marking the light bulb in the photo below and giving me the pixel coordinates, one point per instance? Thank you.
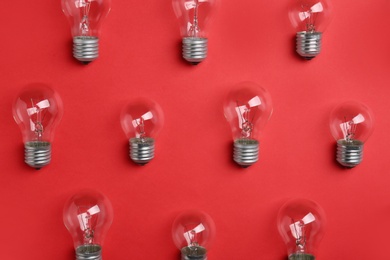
(37, 110)
(88, 215)
(193, 232)
(142, 120)
(85, 18)
(310, 19)
(247, 109)
(351, 124)
(193, 16)
(301, 225)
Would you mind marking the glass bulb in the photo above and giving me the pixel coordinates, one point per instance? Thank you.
(351, 124)
(37, 110)
(310, 19)
(142, 120)
(301, 225)
(85, 18)
(247, 109)
(88, 215)
(193, 232)
(193, 16)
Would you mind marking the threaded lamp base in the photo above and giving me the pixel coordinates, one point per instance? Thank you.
(308, 44)
(301, 257)
(89, 252)
(194, 49)
(86, 48)
(349, 154)
(37, 154)
(141, 150)
(246, 152)
(193, 253)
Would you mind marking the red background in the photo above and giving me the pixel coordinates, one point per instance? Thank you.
(140, 56)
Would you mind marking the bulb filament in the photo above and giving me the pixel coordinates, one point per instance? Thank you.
(141, 129)
(37, 109)
(349, 129)
(310, 17)
(299, 234)
(194, 28)
(246, 122)
(84, 24)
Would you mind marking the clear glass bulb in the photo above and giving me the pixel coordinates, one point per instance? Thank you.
(37, 110)
(142, 120)
(309, 19)
(301, 224)
(88, 215)
(193, 232)
(247, 109)
(194, 16)
(85, 18)
(351, 124)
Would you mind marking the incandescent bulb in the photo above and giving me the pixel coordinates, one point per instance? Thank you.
(351, 124)
(193, 232)
(142, 120)
(193, 16)
(85, 18)
(88, 215)
(301, 225)
(37, 110)
(310, 19)
(247, 109)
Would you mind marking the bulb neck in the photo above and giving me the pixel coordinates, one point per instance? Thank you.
(349, 154)
(141, 150)
(37, 153)
(194, 49)
(89, 252)
(246, 152)
(85, 48)
(308, 44)
(193, 253)
(301, 256)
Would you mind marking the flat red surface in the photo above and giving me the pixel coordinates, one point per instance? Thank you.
(140, 56)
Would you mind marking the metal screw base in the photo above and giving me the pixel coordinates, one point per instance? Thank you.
(89, 252)
(349, 154)
(37, 154)
(246, 152)
(86, 48)
(308, 44)
(193, 253)
(302, 256)
(194, 49)
(141, 150)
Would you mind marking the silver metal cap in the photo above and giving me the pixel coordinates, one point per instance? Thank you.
(86, 48)
(246, 152)
(349, 153)
(37, 154)
(301, 256)
(141, 150)
(194, 49)
(193, 253)
(89, 252)
(308, 44)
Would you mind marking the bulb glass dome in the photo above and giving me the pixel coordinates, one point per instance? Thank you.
(301, 225)
(88, 215)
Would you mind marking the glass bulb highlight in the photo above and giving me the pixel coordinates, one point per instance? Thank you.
(309, 19)
(301, 224)
(194, 16)
(142, 120)
(85, 19)
(88, 215)
(37, 110)
(193, 232)
(351, 124)
(247, 109)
